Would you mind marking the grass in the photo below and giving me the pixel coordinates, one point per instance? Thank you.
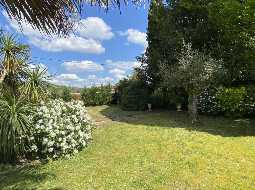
(143, 151)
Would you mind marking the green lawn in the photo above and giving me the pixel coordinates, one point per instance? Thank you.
(142, 150)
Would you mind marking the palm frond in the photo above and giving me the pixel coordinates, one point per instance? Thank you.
(36, 85)
(52, 16)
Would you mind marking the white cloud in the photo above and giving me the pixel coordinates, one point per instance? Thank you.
(68, 80)
(94, 28)
(86, 40)
(120, 69)
(82, 66)
(118, 73)
(115, 70)
(71, 43)
(136, 37)
(94, 80)
(76, 81)
(124, 65)
(67, 77)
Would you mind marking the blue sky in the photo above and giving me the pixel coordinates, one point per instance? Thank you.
(101, 49)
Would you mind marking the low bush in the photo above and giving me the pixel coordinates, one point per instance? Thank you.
(60, 129)
(95, 96)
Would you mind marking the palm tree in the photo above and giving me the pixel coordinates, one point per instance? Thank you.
(36, 85)
(52, 15)
(13, 56)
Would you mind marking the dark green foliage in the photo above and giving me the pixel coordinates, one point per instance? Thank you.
(15, 127)
(163, 42)
(120, 88)
(135, 96)
(222, 29)
(66, 94)
(168, 98)
(208, 102)
(95, 96)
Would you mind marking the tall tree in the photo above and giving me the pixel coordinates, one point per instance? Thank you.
(163, 43)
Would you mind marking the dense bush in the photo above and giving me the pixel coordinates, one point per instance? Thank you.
(234, 101)
(135, 96)
(95, 96)
(60, 129)
(208, 103)
(66, 94)
(122, 84)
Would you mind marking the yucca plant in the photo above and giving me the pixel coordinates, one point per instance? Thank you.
(13, 57)
(36, 85)
(13, 54)
(15, 127)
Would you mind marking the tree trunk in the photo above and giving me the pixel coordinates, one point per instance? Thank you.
(193, 101)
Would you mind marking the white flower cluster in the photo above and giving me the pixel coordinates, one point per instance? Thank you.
(61, 129)
(207, 103)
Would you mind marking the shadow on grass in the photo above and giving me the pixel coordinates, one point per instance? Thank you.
(22, 177)
(225, 127)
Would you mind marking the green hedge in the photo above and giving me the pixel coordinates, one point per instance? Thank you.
(135, 96)
(95, 96)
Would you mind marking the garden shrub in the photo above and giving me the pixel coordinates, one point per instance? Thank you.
(135, 96)
(66, 94)
(120, 88)
(250, 100)
(232, 100)
(95, 96)
(239, 101)
(208, 103)
(60, 129)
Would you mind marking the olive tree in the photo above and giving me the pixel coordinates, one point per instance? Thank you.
(194, 72)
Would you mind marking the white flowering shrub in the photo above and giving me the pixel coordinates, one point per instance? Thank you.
(207, 102)
(61, 129)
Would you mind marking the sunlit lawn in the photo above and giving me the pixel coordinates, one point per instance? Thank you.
(157, 150)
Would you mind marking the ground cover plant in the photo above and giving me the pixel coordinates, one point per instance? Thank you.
(149, 150)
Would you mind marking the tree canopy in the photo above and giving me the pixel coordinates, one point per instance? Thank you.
(222, 28)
